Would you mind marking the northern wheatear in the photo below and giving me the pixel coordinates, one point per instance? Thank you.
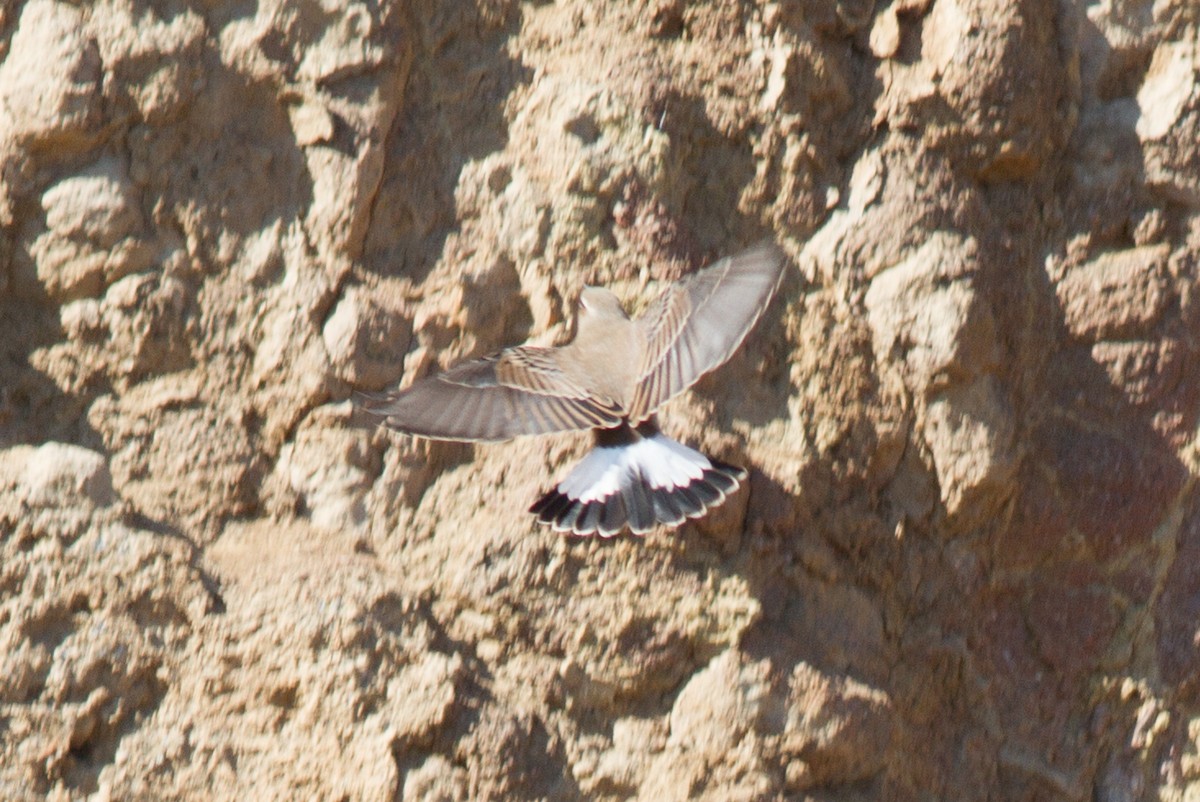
(611, 378)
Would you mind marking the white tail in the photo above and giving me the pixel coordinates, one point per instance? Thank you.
(636, 478)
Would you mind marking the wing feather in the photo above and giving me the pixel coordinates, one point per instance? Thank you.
(518, 391)
(699, 321)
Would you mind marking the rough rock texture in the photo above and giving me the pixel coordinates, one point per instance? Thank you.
(967, 564)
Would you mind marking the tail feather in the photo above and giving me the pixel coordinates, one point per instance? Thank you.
(613, 517)
(666, 510)
(589, 518)
(639, 506)
(724, 477)
(708, 494)
(691, 504)
(636, 478)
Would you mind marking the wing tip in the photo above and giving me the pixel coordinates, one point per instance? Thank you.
(672, 364)
(369, 402)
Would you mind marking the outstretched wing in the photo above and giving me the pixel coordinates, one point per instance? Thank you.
(700, 320)
(514, 392)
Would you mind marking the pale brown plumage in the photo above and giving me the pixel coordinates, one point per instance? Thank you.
(616, 369)
(611, 378)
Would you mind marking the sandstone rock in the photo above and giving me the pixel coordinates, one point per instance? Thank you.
(436, 780)
(962, 567)
(719, 705)
(331, 493)
(366, 343)
(1168, 86)
(50, 81)
(92, 217)
(58, 474)
(1117, 294)
(926, 312)
(970, 431)
(837, 729)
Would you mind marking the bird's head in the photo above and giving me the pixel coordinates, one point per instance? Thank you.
(600, 303)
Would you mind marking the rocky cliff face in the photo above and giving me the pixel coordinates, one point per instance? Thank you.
(967, 565)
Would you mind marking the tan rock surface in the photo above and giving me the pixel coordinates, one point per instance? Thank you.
(967, 563)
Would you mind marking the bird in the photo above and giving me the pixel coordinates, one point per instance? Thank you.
(611, 378)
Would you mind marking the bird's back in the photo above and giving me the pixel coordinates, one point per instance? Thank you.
(604, 356)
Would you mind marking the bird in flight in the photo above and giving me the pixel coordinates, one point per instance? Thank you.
(611, 379)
